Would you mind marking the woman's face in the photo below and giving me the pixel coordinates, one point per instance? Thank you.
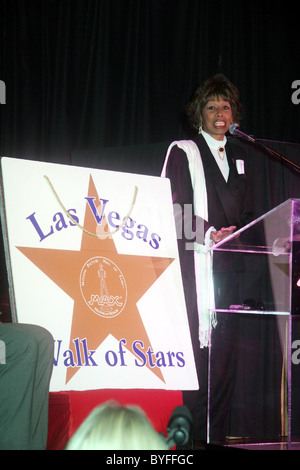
(216, 117)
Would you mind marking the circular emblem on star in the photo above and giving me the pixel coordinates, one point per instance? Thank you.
(103, 287)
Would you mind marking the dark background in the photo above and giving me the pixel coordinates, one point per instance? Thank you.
(85, 74)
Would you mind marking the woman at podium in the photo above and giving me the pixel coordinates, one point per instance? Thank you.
(208, 173)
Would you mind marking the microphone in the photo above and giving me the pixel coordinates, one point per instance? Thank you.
(179, 426)
(233, 129)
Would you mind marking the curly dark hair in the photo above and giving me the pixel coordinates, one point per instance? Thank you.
(217, 86)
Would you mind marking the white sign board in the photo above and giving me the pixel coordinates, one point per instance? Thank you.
(93, 258)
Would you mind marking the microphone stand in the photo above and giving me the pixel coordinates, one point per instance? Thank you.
(234, 130)
(272, 152)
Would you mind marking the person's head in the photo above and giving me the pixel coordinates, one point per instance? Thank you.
(214, 106)
(114, 427)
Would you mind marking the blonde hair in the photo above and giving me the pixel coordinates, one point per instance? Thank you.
(114, 427)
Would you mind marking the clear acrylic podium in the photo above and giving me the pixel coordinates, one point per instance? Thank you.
(259, 385)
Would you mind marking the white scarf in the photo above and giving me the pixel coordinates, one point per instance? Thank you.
(202, 257)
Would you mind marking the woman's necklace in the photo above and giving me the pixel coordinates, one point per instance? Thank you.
(221, 152)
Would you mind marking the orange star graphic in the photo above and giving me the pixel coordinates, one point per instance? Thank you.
(105, 286)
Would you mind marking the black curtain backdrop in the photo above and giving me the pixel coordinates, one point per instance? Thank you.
(110, 73)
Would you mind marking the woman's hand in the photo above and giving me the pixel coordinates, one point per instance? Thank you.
(218, 236)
